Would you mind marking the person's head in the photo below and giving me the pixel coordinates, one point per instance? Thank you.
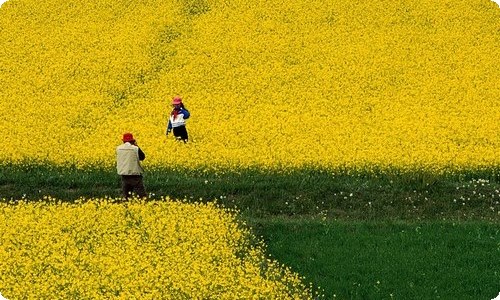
(177, 102)
(128, 138)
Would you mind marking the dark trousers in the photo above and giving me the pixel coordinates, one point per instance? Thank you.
(133, 184)
(181, 133)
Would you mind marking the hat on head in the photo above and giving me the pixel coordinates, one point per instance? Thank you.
(176, 100)
(128, 137)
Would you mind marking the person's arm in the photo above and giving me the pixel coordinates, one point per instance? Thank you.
(142, 156)
(186, 113)
(169, 127)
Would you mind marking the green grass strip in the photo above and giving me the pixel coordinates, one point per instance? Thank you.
(343, 194)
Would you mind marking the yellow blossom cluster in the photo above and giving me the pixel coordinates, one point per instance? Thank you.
(107, 249)
(407, 84)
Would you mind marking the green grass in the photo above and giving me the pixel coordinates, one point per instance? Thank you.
(386, 260)
(357, 235)
(344, 195)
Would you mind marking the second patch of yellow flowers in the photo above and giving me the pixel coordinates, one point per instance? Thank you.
(107, 249)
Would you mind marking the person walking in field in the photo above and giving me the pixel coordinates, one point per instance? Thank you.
(177, 120)
(128, 165)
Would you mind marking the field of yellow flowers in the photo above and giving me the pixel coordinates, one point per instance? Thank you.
(280, 85)
(406, 84)
(103, 249)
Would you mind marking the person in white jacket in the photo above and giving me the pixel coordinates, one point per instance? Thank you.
(177, 120)
(128, 166)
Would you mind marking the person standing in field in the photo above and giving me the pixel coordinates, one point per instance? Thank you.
(128, 165)
(177, 120)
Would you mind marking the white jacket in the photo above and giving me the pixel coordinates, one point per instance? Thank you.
(178, 121)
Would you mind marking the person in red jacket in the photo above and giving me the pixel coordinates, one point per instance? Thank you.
(177, 120)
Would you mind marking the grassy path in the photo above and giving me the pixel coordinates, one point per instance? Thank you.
(344, 195)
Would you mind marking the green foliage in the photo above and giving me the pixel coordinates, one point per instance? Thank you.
(388, 260)
(343, 194)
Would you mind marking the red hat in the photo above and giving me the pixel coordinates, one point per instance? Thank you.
(176, 100)
(128, 137)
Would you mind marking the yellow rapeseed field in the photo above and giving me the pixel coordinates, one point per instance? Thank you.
(105, 249)
(407, 84)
